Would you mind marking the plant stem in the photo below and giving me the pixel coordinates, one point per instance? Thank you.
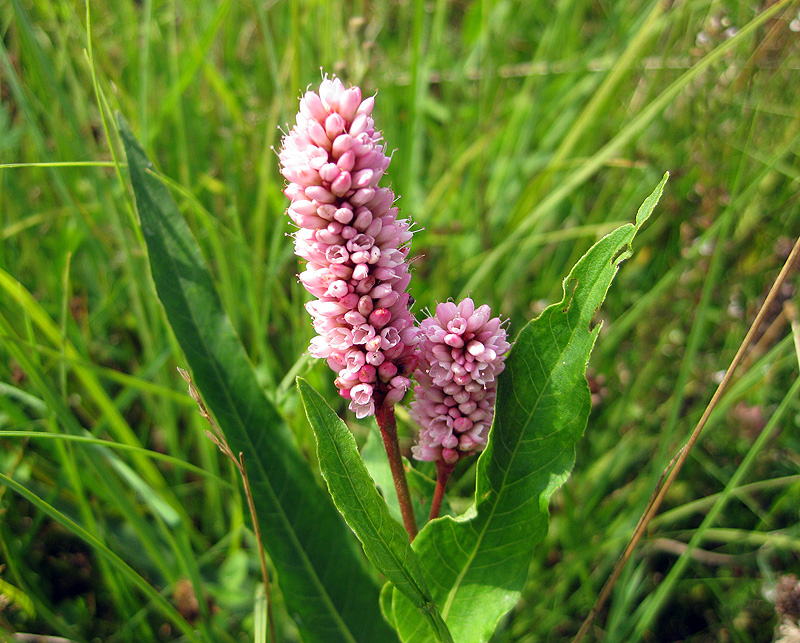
(218, 438)
(257, 530)
(384, 414)
(443, 471)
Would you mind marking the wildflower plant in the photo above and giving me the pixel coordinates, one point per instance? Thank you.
(520, 408)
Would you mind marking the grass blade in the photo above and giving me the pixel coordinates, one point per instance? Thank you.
(114, 560)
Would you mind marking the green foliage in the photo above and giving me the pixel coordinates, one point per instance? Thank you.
(529, 126)
(321, 578)
(353, 490)
(478, 563)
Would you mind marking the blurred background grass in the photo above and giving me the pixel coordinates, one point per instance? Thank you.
(523, 131)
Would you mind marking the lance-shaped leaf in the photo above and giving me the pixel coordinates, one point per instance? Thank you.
(320, 571)
(476, 565)
(355, 495)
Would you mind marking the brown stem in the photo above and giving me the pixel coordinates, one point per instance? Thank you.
(443, 471)
(661, 490)
(257, 530)
(384, 414)
(218, 438)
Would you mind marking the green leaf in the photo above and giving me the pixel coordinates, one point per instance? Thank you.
(355, 495)
(320, 571)
(477, 564)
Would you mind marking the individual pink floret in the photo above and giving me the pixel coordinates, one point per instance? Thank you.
(461, 353)
(354, 246)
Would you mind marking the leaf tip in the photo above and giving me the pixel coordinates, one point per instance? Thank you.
(124, 128)
(650, 202)
(306, 392)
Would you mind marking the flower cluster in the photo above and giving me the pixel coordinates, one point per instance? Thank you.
(461, 353)
(354, 246)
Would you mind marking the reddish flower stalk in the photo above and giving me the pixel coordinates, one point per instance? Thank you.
(461, 353)
(386, 423)
(355, 250)
(443, 471)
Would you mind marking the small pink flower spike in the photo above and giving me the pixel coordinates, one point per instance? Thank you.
(461, 353)
(354, 246)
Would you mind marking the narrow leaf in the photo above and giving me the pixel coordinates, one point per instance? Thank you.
(477, 564)
(320, 571)
(355, 495)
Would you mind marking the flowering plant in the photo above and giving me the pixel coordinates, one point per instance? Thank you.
(455, 577)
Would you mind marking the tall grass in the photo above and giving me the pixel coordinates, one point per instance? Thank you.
(523, 132)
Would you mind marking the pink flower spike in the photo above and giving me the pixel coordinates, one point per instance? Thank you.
(456, 380)
(355, 248)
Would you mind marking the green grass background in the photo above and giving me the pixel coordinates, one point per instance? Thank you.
(523, 131)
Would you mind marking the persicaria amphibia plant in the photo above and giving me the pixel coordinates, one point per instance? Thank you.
(356, 252)
(462, 573)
